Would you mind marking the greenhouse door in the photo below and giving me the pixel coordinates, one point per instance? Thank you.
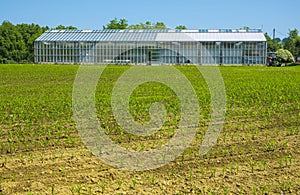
(154, 56)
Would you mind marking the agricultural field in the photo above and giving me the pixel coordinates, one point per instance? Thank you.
(257, 151)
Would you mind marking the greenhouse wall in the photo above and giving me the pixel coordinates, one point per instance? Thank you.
(168, 50)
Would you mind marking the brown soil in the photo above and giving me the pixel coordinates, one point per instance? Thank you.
(238, 164)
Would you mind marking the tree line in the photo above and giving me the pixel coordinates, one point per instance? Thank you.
(123, 24)
(291, 43)
(17, 41)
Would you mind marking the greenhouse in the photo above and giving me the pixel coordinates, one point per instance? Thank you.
(150, 47)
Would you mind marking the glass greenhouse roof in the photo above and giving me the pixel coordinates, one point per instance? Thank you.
(153, 35)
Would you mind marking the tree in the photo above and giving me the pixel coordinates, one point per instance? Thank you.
(246, 28)
(284, 56)
(149, 25)
(140, 26)
(115, 24)
(30, 33)
(61, 27)
(293, 34)
(297, 47)
(273, 45)
(181, 27)
(159, 25)
(12, 45)
(290, 43)
(16, 42)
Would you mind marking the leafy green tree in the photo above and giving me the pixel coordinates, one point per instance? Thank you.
(160, 25)
(139, 26)
(61, 27)
(12, 45)
(273, 45)
(115, 24)
(181, 27)
(297, 47)
(293, 34)
(16, 42)
(149, 25)
(246, 28)
(290, 43)
(1, 60)
(30, 33)
(284, 56)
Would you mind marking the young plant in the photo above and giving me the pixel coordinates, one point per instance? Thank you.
(214, 171)
(191, 174)
(231, 168)
(79, 189)
(72, 189)
(264, 189)
(254, 190)
(252, 165)
(90, 190)
(151, 179)
(102, 185)
(224, 170)
(285, 186)
(52, 190)
(120, 182)
(263, 164)
(237, 168)
(134, 181)
(225, 191)
(280, 162)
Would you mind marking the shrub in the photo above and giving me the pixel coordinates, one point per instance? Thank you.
(284, 56)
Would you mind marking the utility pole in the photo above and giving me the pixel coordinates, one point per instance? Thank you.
(274, 31)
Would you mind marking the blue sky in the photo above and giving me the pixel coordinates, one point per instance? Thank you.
(195, 14)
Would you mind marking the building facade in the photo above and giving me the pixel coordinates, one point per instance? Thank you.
(224, 46)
